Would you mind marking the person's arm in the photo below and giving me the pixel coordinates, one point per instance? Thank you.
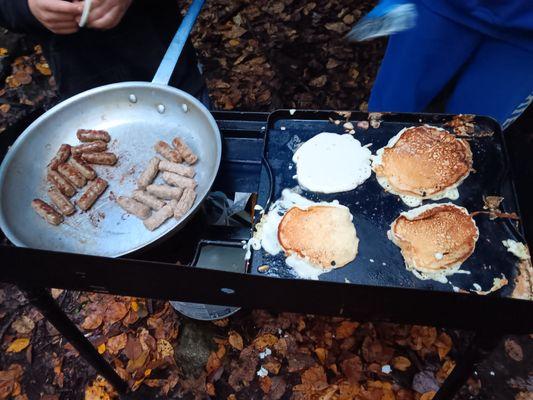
(40, 16)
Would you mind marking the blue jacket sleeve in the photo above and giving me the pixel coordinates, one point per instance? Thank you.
(15, 15)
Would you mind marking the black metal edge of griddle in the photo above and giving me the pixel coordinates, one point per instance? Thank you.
(39, 268)
(149, 279)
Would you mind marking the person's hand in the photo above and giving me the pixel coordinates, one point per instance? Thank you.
(58, 16)
(106, 14)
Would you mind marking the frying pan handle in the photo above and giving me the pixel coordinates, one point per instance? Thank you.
(164, 72)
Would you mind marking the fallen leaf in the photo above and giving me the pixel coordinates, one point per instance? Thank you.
(23, 325)
(44, 68)
(117, 343)
(338, 27)
(428, 395)
(264, 341)
(3, 51)
(115, 311)
(443, 344)
(321, 353)
(235, 340)
(319, 81)
(346, 329)
(265, 383)
(56, 293)
(164, 348)
(352, 368)
(401, 363)
(513, 349)
(92, 321)
(101, 348)
(210, 389)
(221, 323)
(18, 345)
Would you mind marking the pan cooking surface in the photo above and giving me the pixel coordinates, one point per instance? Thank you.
(104, 230)
(379, 261)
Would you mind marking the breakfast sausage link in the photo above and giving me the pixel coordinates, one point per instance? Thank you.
(179, 169)
(185, 203)
(157, 218)
(168, 152)
(62, 155)
(165, 192)
(185, 151)
(133, 207)
(149, 174)
(61, 201)
(61, 183)
(178, 180)
(151, 201)
(100, 158)
(94, 190)
(47, 212)
(92, 147)
(72, 175)
(82, 167)
(91, 135)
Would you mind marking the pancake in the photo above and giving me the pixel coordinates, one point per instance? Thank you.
(435, 238)
(332, 163)
(323, 235)
(423, 162)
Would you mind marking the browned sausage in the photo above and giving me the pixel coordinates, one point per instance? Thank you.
(61, 201)
(168, 152)
(61, 156)
(185, 151)
(179, 169)
(94, 190)
(82, 167)
(72, 175)
(47, 212)
(178, 180)
(60, 183)
(91, 135)
(92, 147)
(100, 158)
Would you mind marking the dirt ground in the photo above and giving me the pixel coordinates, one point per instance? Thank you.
(259, 55)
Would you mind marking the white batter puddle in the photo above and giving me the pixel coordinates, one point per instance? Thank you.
(332, 163)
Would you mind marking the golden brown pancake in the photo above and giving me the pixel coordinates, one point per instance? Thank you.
(325, 235)
(424, 162)
(435, 237)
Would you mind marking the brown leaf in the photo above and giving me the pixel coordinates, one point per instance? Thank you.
(92, 321)
(264, 341)
(115, 311)
(428, 395)
(401, 363)
(277, 388)
(265, 383)
(164, 348)
(315, 377)
(321, 353)
(319, 81)
(513, 349)
(213, 363)
(338, 27)
(235, 340)
(56, 293)
(272, 366)
(443, 344)
(221, 323)
(23, 325)
(346, 329)
(352, 368)
(133, 348)
(137, 363)
(116, 343)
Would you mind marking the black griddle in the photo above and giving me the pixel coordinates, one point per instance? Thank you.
(379, 261)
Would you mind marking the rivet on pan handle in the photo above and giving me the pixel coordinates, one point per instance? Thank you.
(164, 72)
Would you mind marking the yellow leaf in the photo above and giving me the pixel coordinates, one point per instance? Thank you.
(3, 51)
(18, 345)
(101, 348)
(401, 363)
(147, 372)
(44, 68)
(134, 306)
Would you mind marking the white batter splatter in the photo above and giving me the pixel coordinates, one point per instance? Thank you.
(332, 163)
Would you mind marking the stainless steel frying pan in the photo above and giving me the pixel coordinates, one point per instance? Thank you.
(136, 114)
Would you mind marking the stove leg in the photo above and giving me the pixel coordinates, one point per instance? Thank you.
(43, 301)
(481, 346)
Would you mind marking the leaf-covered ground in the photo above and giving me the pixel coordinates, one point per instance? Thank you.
(258, 55)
